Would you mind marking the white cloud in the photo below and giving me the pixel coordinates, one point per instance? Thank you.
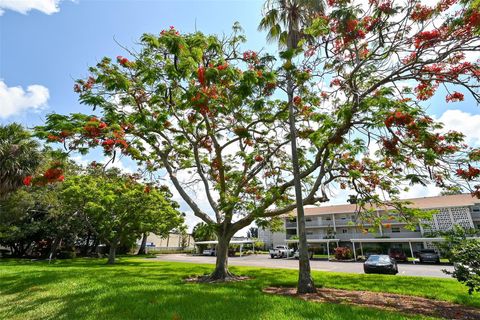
(419, 191)
(118, 163)
(463, 122)
(14, 100)
(24, 6)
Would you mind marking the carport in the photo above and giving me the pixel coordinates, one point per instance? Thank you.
(240, 242)
(392, 240)
(327, 241)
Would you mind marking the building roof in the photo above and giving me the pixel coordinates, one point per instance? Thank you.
(459, 200)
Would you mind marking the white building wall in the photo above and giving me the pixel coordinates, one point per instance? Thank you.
(270, 238)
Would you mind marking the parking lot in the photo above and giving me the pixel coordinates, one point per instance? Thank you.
(263, 260)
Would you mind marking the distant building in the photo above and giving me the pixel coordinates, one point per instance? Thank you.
(341, 222)
(271, 239)
(173, 241)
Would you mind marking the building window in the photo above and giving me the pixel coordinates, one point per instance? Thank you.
(308, 219)
(344, 231)
(328, 218)
(395, 229)
(343, 217)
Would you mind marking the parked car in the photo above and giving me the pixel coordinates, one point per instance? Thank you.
(429, 255)
(280, 252)
(209, 252)
(397, 254)
(296, 255)
(380, 264)
(370, 253)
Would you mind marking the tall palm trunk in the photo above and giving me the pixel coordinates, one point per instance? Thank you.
(305, 281)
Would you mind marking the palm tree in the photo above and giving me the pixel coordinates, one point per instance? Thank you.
(19, 157)
(284, 20)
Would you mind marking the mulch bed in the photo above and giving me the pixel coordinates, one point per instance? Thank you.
(205, 279)
(386, 301)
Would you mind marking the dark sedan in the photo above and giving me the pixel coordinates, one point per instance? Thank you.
(380, 264)
(397, 254)
(429, 255)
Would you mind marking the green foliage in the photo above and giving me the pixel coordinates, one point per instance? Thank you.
(119, 209)
(465, 257)
(19, 157)
(203, 232)
(464, 253)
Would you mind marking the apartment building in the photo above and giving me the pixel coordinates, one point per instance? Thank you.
(341, 222)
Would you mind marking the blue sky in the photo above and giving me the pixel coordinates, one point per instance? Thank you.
(52, 50)
(46, 44)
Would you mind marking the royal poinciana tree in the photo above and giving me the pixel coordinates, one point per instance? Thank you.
(198, 107)
(201, 109)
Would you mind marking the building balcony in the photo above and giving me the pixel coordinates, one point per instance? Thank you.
(290, 225)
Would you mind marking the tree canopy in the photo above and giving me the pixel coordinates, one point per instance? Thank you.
(19, 157)
(204, 110)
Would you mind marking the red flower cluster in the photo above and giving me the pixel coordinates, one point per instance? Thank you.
(386, 6)
(445, 4)
(474, 19)
(171, 31)
(94, 127)
(123, 61)
(425, 90)
(27, 181)
(476, 193)
(426, 39)
(222, 66)
(398, 118)
(206, 143)
(455, 97)
(53, 175)
(201, 75)
(390, 145)
(250, 56)
(370, 23)
(421, 13)
(469, 174)
(336, 82)
(411, 57)
(82, 85)
(202, 99)
(258, 158)
(53, 138)
(297, 100)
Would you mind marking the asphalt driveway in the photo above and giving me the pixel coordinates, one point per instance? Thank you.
(263, 260)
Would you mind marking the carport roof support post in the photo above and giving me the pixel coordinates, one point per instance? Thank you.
(411, 250)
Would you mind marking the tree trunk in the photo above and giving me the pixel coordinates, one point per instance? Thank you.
(305, 281)
(221, 272)
(54, 247)
(87, 244)
(94, 247)
(143, 245)
(112, 252)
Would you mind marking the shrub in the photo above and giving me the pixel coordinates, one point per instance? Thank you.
(466, 260)
(343, 253)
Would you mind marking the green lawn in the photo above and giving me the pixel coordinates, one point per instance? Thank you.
(145, 289)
